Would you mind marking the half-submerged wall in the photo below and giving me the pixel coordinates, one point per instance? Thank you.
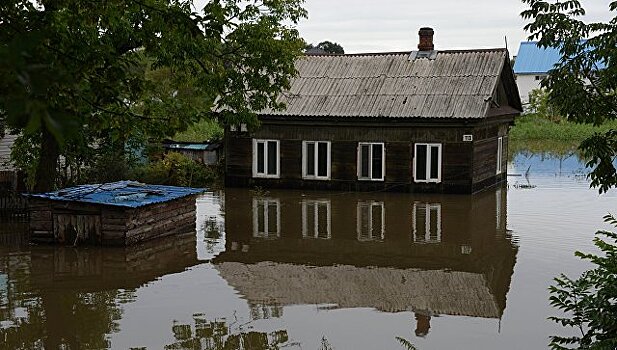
(465, 166)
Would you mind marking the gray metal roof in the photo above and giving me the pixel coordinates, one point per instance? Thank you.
(6, 143)
(456, 84)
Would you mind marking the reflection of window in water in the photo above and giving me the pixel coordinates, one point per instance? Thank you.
(498, 208)
(266, 218)
(264, 311)
(426, 222)
(316, 219)
(371, 221)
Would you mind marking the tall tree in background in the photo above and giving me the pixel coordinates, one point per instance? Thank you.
(583, 85)
(75, 75)
(328, 47)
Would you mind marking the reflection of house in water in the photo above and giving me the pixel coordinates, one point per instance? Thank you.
(432, 255)
(79, 291)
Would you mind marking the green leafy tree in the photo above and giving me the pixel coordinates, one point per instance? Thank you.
(583, 84)
(93, 74)
(590, 301)
(583, 88)
(327, 47)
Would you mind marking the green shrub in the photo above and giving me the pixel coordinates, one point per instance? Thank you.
(177, 170)
(590, 301)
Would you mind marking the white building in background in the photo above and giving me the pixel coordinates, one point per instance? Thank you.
(531, 66)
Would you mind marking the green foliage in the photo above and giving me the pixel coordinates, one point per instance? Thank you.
(536, 127)
(202, 131)
(177, 170)
(406, 344)
(89, 73)
(328, 47)
(580, 89)
(540, 105)
(590, 301)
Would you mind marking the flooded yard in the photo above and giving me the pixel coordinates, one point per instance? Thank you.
(318, 270)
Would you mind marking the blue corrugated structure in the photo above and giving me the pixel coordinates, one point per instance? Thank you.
(129, 194)
(532, 59)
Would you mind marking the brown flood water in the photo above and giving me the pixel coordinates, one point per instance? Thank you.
(317, 270)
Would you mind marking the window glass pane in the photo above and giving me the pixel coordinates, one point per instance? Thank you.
(377, 211)
(261, 217)
(310, 159)
(421, 162)
(364, 160)
(322, 159)
(272, 158)
(260, 157)
(310, 219)
(420, 224)
(363, 221)
(435, 162)
(377, 161)
(322, 220)
(434, 224)
(272, 219)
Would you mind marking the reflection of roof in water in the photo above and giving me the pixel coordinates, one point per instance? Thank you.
(386, 289)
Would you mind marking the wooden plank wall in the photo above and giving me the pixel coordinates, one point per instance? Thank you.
(399, 141)
(118, 226)
(161, 220)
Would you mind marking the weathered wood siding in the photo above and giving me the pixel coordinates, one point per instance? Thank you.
(57, 222)
(464, 164)
(161, 220)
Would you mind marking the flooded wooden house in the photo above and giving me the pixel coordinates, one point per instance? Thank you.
(118, 213)
(427, 254)
(422, 121)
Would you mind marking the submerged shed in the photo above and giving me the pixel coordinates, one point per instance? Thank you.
(118, 213)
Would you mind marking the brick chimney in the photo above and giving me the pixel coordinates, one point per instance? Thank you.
(426, 39)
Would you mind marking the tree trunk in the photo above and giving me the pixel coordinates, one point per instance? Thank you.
(46, 171)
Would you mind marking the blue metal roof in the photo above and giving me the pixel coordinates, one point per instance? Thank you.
(130, 194)
(190, 147)
(532, 59)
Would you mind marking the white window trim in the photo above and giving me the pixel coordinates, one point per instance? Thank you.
(370, 168)
(266, 234)
(329, 159)
(370, 236)
(427, 215)
(428, 160)
(314, 232)
(499, 155)
(278, 159)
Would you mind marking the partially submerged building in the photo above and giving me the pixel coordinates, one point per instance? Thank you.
(119, 213)
(420, 121)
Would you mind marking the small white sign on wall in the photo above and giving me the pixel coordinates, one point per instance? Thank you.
(467, 138)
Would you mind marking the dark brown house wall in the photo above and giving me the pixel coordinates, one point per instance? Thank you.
(464, 164)
(485, 156)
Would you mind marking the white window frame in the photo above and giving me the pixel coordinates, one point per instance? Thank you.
(499, 155)
(278, 159)
(313, 232)
(370, 168)
(315, 161)
(266, 204)
(369, 236)
(428, 162)
(427, 228)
